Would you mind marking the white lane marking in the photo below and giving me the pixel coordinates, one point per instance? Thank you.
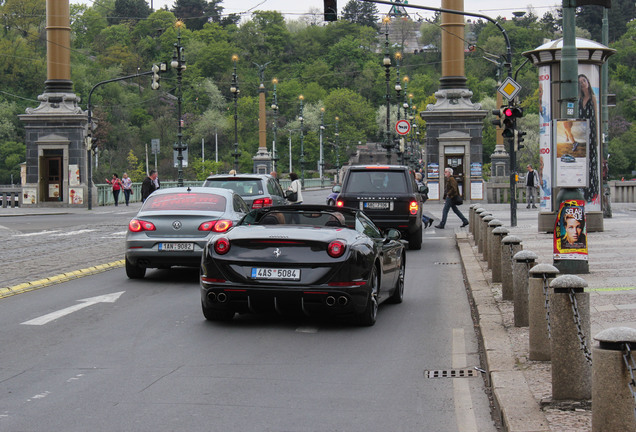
(44, 319)
(120, 234)
(464, 412)
(70, 233)
(35, 233)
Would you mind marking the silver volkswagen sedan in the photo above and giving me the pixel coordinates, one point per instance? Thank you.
(174, 225)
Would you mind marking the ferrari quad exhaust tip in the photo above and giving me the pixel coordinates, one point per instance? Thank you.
(342, 301)
(211, 297)
(330, 301)
(221, 297)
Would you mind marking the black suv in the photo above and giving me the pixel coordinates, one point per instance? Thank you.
(389, 195)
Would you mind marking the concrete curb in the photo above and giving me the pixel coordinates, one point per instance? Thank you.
(64, 277)
(515, 405)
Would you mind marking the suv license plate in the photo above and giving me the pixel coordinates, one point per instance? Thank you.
(172, 247)
(275, 274)
(376, 205)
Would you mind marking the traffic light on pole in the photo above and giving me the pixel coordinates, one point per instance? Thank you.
(508, 123)
(331, 10)
(519, 139)
(497, 120)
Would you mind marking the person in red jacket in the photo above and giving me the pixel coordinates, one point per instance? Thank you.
(116, 183)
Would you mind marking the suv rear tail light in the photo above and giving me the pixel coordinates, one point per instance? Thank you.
(413, 207)
(336, 248)
(339, 203)
(216, 225)
(262, 202)
(222, 246)
(137, 225)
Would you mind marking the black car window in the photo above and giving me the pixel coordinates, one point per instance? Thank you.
(372, 181)
(239, 205)
(365, 226)
(186, 201)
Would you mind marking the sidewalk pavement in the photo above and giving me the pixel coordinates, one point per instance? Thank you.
(522, 389)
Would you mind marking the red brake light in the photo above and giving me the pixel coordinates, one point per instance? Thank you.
(137, 225)
(339, 203)
(413, 207)
(222, 246)
(336, 248)
(216, 225)
(262, 202)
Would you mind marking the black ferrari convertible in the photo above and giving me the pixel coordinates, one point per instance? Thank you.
(316, 259)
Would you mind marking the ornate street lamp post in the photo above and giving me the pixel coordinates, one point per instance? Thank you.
(337, 134)
(302, 144)
(321, 162)
(179, 63)
(234, 89)
(274, 126)
(386, 62)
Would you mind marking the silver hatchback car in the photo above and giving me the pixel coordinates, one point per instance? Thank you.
(174, 225)
(258, 190)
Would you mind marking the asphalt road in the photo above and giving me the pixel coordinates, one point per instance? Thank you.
(104, 353)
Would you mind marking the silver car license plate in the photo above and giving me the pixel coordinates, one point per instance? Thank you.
(376, 205)
(275, 274)
(176, 247)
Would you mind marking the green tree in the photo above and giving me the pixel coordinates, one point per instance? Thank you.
(362, 13)
(129, 10)
(12, 154)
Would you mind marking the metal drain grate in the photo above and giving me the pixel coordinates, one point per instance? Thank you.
(451, 373)
(446, 263)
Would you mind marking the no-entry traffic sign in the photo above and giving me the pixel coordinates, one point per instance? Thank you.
(403, 127)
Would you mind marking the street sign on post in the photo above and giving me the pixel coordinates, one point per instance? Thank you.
(509, 88)
(154, 145)
(403, 127)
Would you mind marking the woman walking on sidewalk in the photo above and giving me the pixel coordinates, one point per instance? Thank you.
(451, 194)
(126, 183)
(116, 183)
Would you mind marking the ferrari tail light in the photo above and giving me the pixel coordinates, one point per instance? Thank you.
(221, 225)
(336, 248)
(339, 203)
(222, 246)
(413, 207)
(137, 225)
(262, 202)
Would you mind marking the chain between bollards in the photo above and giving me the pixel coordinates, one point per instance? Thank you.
(631, 365)
(577, 320)
(546, 293)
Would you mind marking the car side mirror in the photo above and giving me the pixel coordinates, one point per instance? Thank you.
(392, 234)
(336, 189)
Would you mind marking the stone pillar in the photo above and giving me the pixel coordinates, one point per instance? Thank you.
(612, 400)
(541, 276)
(489, 241)
(483, 231)
(498, 234)
(471, 214)
(523, 261)
(510, 245)
(475, 224)
(571, 369)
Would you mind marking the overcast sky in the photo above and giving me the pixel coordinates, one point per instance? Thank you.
(293, 9)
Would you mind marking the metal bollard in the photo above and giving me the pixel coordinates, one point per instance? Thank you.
(539, 310)
(471, 212)
(613, 381)
(523, 261)
(570, 330)
(483, 232)
(498, 234)
(510, 245)
(477, 224)
(489, 240)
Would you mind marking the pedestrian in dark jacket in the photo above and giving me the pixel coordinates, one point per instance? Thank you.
(451, 191)
(148, 186)
(531, 185)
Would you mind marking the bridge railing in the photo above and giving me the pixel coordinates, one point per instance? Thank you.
(10, 196)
